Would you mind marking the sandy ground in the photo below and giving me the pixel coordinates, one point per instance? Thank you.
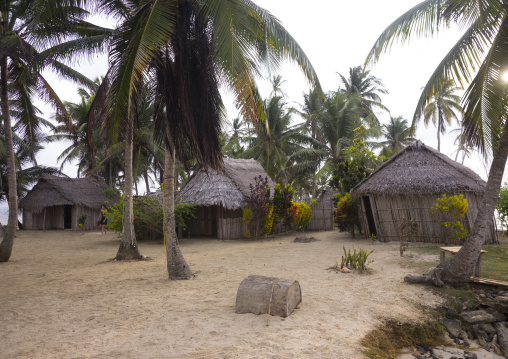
(60, 297)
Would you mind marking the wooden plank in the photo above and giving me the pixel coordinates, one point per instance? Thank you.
(495, 282)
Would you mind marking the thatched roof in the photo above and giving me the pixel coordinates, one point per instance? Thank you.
(419, 170)
(227, 188)
(58, 191)
(326, 195)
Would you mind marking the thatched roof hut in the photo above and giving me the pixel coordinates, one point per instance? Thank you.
(221, 196)
(408, 184)
(58, 202)
(228, 188)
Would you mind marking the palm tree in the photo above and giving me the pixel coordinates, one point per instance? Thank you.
(442, 109)
(483, 46)
(194, 46)
(31, 37)
(276, 86)
(274, 140)
(462, 145)
(366, 86)
(397, 134)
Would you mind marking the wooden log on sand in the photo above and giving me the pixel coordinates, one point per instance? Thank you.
(261, 295)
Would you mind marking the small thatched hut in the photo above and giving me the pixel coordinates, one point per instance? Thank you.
(222, 197)
(57, 203)
(408, 184)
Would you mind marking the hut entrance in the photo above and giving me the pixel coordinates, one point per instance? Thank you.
(370, 215)
(67, 216)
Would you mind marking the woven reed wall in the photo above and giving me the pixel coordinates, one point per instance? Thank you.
(387, 211)
(54, 218)
(231, 228)
(322, 217)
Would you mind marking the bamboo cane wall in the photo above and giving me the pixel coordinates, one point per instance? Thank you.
(53, 218)
(322, 217)
(388, 210)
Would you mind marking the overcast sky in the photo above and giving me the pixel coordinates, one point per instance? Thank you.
(335, 35)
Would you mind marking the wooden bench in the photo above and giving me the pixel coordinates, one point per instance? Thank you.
(454, 250)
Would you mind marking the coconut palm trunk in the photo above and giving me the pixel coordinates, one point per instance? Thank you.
(128, 246)
(176, 264)
(8, 241)
(458, 269)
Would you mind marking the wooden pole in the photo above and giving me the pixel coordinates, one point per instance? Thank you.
(44, 220)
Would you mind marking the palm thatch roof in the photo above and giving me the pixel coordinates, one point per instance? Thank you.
(419, 170)
(58, 191)
(228, 188)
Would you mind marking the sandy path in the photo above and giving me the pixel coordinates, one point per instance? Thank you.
(60, 298)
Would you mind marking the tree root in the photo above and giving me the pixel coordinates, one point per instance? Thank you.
(434, 277)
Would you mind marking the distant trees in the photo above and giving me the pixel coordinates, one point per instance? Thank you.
(397, 134)
(442, 108)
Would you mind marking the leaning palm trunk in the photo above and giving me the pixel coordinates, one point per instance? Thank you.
(128, 246)
(457, 270)
(8, 241)
(177, 266)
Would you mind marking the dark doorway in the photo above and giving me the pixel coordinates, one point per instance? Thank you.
(67, 217)
(370, 215)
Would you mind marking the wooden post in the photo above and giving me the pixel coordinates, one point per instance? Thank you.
(44, 220)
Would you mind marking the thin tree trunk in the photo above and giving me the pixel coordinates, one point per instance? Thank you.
(176, 175)
(458, 269)
(145, 174)
(176, 264)
(128, 246)
(8, 240)
(438, 141)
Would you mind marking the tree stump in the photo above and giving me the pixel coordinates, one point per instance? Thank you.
(261, 295)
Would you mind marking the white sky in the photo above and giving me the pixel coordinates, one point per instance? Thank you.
(335, 35)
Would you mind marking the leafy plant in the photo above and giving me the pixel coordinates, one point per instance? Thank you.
(300, 215)
(282, 202)
(346, 214)
(355, 260)
(82, 221)
(359, 162)
(259, 205)
(502, 205)
(447, 213)
(148, 216)
(407, 229)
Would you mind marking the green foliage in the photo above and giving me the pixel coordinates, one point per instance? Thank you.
(346, 214)
(148, 216)
(359, 163)
(336, 198)
(246, 215)
(355, 260)
(260, 207)
(82, 221)
(502, 205)
(407, 229)
(282, 202)
(447, 213)
(300, 215)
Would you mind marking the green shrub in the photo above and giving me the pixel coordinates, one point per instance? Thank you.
(148, 216)
(447, 213)
(300, 215)
(355, 260)
(282, 202)
(346, 214)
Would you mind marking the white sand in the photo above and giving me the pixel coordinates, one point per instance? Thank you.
(60, 298)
